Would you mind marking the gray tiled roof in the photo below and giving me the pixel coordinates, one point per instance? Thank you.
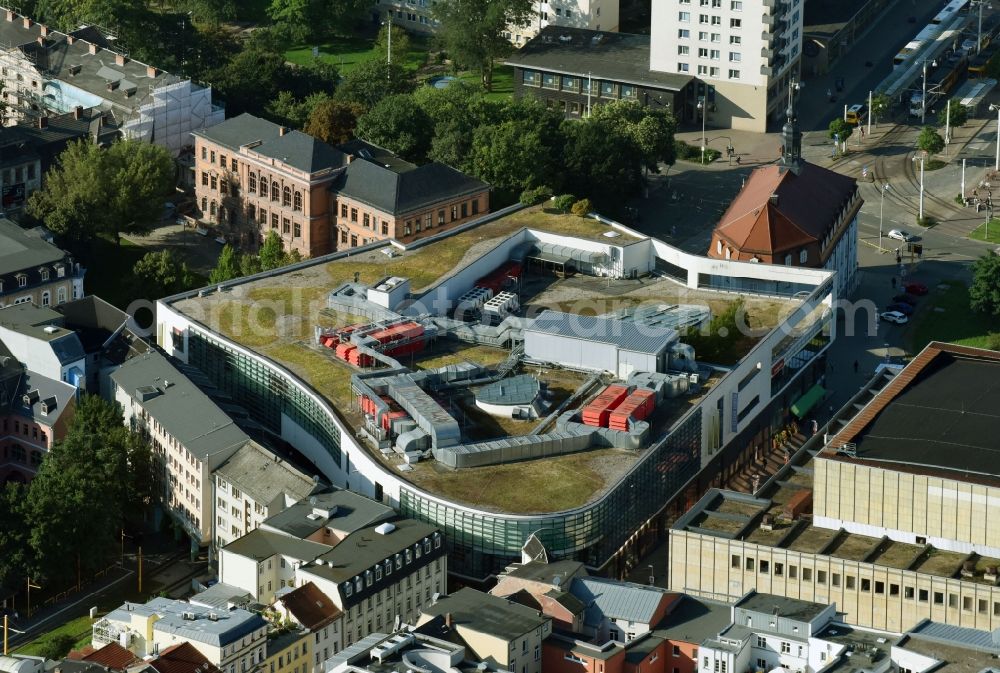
(616, 600)
(617, 57)
(351, 512)
(264, 477)
(486, 614)
(399, 188)
(181, 408)
(294, 148)
(626, 334)
(261, 544)
(790, 608)
(694, 620)
(55, 394)
(23, 248)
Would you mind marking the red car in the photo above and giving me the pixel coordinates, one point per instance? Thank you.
(918, 289)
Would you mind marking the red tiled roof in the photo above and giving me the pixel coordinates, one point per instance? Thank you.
(183, 658)
(808, 204)
(111, 655)
(311, 607)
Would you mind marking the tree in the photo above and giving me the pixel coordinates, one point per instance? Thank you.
(57, 647)
(211, 12)
(398, 125)
(880, 106)
(511, 155)
(651, 131)
(930, 141)
(250, 80)
(291, 111)
(96, 191)
(272, 253)
(959, 114)
(228, 266)
(840, 129)
(333, 121)
(455, 111)
(400, 42)
(372, 81)
(14, 533)
(605, 166)
(472, 31)
(311, 18)
(160, 274)
(984, 293)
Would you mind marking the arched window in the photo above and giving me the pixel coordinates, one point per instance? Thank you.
(729, 253)
(252, 183)
(718, 247)
(46, 298)
(263, 187)
(275, 195)
(286, 197)
(204, 205)
(803, 256)
(298, 201)
(61, 296)
(212, 210)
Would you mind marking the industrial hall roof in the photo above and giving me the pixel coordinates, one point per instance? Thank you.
(602, 55)
(779, 210)
(624, 333)
(940, 413)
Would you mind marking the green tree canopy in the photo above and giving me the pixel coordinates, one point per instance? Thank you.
(372, 81)
(880, 106)
(930, 141)
(96, 191)
(251, 80)
(649, 130)
(291, 111)
(840, 129)
(984, 293)
(606, 167)
(455, 112)
(472, 31)
(227, 267)
(514, 155)
(959, 114)
(333, 121)
(400, 42)
(14, 533)
(309, 19)
(399, 125)
(160, 274)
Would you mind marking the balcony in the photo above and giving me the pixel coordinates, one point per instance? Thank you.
(767, 37)
(766, 70)
(770, 4)
(766, 52)
(768, 20)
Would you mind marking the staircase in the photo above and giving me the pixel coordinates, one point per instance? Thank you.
(774, 460)
(508, 365)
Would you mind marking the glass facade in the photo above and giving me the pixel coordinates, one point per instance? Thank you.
(484, 543)
(263, 390)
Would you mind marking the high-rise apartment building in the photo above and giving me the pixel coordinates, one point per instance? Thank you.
(743, 53)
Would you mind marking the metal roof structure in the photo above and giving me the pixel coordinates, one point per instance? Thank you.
(673, 316)
(903, 76)
(610, 599)
(216, 628)
(520, 389)
(974, 639)
(344, 511)
(487, 614)
(626, 334)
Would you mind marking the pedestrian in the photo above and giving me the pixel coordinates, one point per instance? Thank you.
(815, 426)
(737, 160)
(855, 366)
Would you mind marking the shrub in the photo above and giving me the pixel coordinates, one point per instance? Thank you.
(530, 197)
(57, 647)
(564, 202)
(582, 207)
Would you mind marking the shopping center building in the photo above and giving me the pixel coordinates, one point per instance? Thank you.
(305, 350)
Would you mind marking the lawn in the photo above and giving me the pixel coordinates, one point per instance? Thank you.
(994, 232)
(954, 323)
(347, 53)
(79, 629)
(503, 82)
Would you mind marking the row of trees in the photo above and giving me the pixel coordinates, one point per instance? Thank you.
(98, 480)
(234, 264)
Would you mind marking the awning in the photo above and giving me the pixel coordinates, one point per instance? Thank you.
(808, 401)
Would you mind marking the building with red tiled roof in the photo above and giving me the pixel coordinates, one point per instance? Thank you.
(793, 213)
(112, 655)
(183, 658)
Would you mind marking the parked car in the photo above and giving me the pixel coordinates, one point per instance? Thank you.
(918, 289)
(900, 307)
(905, 299)
(900, 235)
(895, 317)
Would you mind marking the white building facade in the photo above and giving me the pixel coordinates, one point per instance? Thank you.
(743, 52)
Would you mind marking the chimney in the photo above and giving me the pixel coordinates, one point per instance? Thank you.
(447, 620)
(11, 15)
(27, 22)
(350, 158)
(150, 71)
(43, 122)
(70, 39)
(282, 130)
(120, 59)
(774, 199)
(41, 40)
(44, 30)
(78, 112)
(93, 48)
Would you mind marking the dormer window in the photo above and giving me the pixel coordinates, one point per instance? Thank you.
(358, 586)
(22, 280)
(44, 272)
(60, 270)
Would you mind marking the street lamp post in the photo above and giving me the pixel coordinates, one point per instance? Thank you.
(881, 204)
(923, 97)
(704, 110)
(996, 165)
(652, 577)
(921, 160)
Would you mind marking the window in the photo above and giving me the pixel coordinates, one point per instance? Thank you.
(982, 606)
(286, 196)
(252, 183)
(204, 179)
(297, 230)
(274, 190)
(683, 67)
(683, 33)
(212, 156)
(803, 256)
(702, 35)
(530, 78)
(879, 587)
(761, 642)
(703, 19)
(736, 5)
(967, 603)
(736, 561)
(46, 298)
(749, 563)
(683, 50)
(922, 595)
(807, 574)
(735, 23)
(274, 220)
(475, 203)
(354, 214)
(684, 17)
(938, 598)
(224, 186)
(835, 580)
(298, 201)
(222, 160)
(702, 52)
(821, 577)
(715, 54)
(762, 664)
(550, 81)
(716, 37)
(263, 187)
(570, 84)
(765, 567)
(735, 56)
(850, 581)
(214, 181)
(735, 39)
(716, 21)
(793, 572)
(702, 69)
(385, 228)
(786, 647)
(779, 569)
(734, 74)
(866, 584)
(234, 165)
(204, 150)
(952, 601)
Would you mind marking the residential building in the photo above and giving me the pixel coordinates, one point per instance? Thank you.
(112, 656)
(190, 435)
(575, 69)
(373, 567)
(253, 176)
(288, 651)
(33, 270)
(181, 658)
(251, 485)
(895, 537)
(490, 627)
(315, 612)
(232, 640)
(794, 213)
(404, 650)
(380, 196)
(37, 337)
(743, 52)
(47, 72)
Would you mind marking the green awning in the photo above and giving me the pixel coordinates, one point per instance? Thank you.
(808, 401)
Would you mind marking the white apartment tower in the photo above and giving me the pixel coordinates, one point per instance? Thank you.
(589, 14)
(742, 52)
